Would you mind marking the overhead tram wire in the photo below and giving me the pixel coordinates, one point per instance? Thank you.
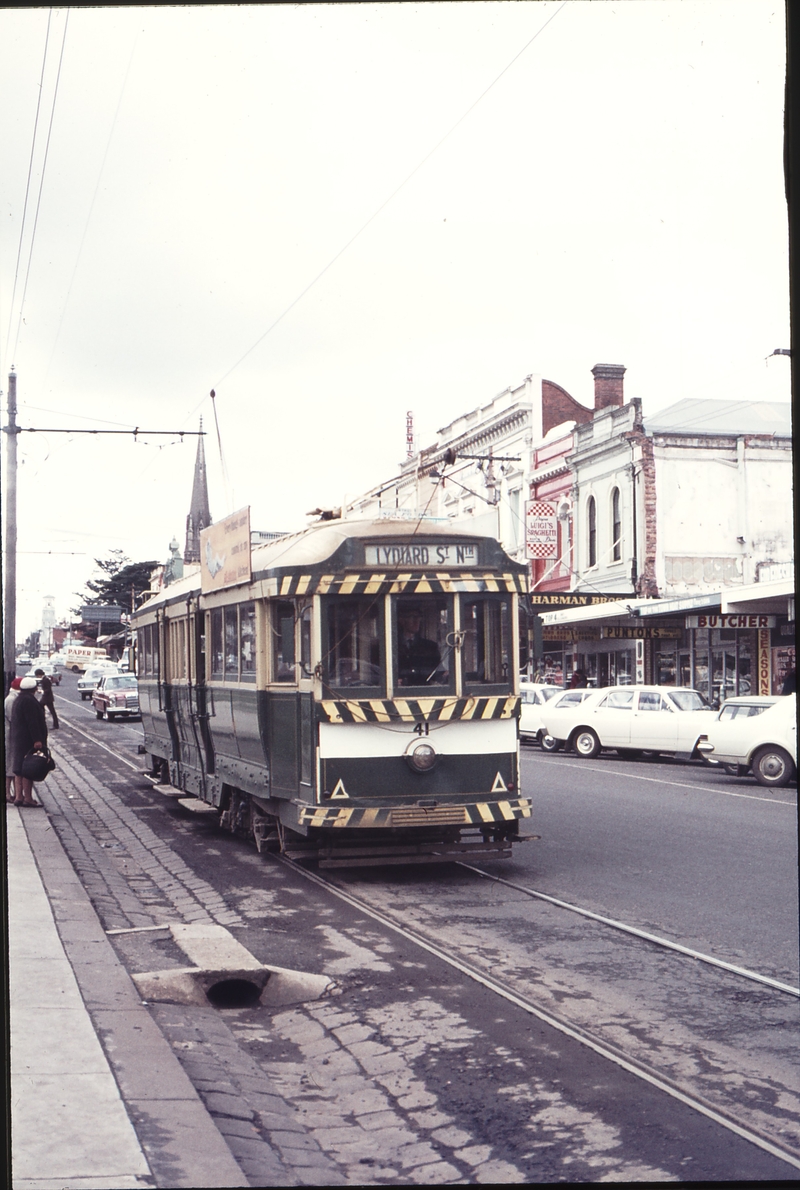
(28, 183)
(394, 193)
(41, 184)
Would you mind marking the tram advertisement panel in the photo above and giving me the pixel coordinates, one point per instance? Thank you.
(225, 552)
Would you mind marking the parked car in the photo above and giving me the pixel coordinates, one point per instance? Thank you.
(630, 719)
(533, 696)
(116, 694)
(91, 676)
(49, 669)
(24, 659)
(755, 734)
(561, 700)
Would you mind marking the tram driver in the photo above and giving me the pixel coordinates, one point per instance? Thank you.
(419, 662)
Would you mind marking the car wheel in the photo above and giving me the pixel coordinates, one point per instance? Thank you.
(586, 743)
(76, 669)
(99, 714)
(772, 766)
(549, 744)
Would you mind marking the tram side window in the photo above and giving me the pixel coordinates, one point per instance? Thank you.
(145, 652)
(177, 649)
(231, 644)
(422, 653)
(283, 653)
(354, 651)
(247, 641)
(305, 642)
(217, 655)
(486, 652)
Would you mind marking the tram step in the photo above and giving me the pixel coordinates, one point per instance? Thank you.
(197, 806)
(170, 790)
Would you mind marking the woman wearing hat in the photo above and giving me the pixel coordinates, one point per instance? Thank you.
(11, 698)
(27, 731)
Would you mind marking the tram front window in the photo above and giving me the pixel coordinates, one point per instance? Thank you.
(421, 649)
(486, 654)
(354, 643)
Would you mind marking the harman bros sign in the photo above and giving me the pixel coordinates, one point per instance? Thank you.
(741, 620)
(572, 599)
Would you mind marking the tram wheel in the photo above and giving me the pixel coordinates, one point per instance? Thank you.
(586, 743)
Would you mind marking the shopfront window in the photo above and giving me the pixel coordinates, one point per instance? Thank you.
(666, 666)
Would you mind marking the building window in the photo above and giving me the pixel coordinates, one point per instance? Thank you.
(591, 510)
(616, 527)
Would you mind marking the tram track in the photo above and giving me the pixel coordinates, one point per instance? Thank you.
(600, 1046)
(680, 1091)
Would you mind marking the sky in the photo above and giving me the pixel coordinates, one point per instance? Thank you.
(334, 214)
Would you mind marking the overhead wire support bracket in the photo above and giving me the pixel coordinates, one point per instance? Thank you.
(135, 432)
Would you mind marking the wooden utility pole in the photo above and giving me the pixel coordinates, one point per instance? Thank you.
(10, 591)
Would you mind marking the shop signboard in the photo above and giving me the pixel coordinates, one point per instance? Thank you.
(764, 662)
(633, 632)
(560, 599)
(541, 529)
(568, 633)
(225, 552)
(739, 620)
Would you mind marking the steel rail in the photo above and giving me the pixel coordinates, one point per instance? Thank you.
(637, 933)
(603, 1048)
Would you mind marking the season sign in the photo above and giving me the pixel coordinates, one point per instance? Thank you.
(415, 554)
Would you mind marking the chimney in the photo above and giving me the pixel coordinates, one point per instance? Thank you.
(608, 385)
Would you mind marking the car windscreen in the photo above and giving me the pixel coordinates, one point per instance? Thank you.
(121, 683)
(688, 700)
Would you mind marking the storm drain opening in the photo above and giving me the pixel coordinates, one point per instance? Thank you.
(234, 993)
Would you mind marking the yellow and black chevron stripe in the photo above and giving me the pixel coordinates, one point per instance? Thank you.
(409, 583)
(412, 710)
(388, 817)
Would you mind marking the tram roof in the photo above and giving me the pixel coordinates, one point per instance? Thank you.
(317, 544)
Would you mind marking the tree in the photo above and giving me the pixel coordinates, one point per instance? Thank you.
(119, 578)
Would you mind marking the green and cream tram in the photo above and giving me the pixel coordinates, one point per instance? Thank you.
(356, 699)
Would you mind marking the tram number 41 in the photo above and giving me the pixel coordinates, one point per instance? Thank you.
(422, 728)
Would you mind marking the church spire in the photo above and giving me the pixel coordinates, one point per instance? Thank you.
(199, 516)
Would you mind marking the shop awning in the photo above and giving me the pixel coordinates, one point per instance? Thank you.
(775, 597)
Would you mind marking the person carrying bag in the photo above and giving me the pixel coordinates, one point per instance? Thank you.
(27, 736)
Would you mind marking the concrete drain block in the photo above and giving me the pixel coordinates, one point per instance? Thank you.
(226, 974)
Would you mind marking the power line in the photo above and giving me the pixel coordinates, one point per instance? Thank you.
(41, 184)
(28, 183)
(395, 192)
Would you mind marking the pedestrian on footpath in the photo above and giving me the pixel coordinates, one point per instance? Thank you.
(46, 687)
(27, 733)
(11, 698)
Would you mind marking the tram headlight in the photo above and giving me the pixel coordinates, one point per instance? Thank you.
(421, 757)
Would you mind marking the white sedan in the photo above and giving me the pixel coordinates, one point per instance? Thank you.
(631, 719)
(755, 733)
(533, 696)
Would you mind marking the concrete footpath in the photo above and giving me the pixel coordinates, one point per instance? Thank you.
(98, 1099)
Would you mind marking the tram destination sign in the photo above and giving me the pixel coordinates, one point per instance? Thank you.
(225, 552)
(416, 554)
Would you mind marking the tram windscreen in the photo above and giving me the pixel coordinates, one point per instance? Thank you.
(354, 643)
(486, 652)
(421, 641)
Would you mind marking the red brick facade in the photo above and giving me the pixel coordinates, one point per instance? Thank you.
(558, 406)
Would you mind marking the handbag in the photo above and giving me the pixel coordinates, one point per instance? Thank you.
(36, 765)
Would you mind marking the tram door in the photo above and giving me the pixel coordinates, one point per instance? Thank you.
(200, 709)
(165, 685)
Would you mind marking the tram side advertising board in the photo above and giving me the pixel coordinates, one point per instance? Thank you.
(225, 552)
